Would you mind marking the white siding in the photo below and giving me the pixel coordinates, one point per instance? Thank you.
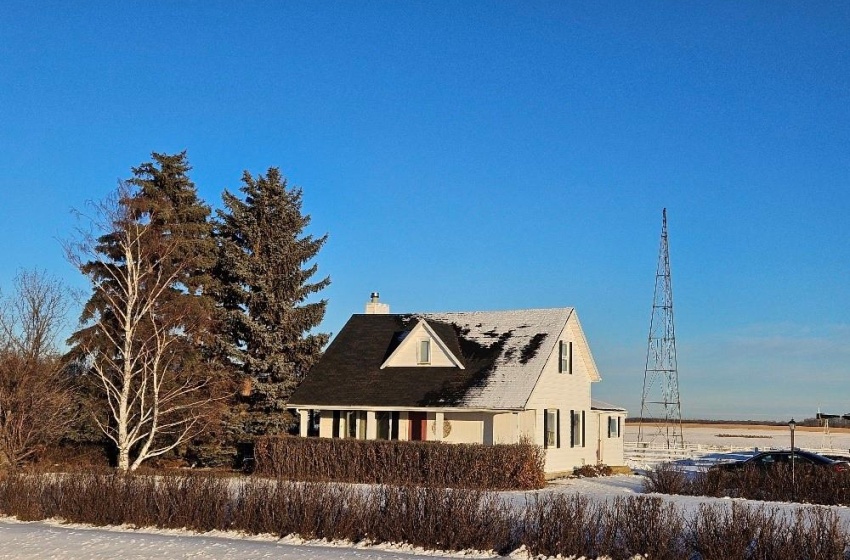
(565, 392)
(610, 447)
(326, 422)
(527, 425)
(465, 427)
(505, 428)
(406, 354)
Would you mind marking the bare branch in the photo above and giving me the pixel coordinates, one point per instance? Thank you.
(152, 402)
(33, 395)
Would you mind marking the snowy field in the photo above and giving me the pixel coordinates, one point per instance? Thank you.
(52, 539)
(744, 435)
(707, 444)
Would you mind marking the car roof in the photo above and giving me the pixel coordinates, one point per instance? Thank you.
(796, 452)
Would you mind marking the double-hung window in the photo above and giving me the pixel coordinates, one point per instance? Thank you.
(551, 428)
(576, 428)
(613, 430)
(565, 357)
(424, 352)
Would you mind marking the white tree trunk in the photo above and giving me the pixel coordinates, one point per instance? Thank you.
(145, 399)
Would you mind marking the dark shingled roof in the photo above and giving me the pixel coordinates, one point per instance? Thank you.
(350, 374)
(503, 354)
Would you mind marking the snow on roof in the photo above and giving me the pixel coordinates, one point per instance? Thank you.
(528, 337)
(596, 404)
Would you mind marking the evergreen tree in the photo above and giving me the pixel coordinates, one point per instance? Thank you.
(179, 246)
(264, 275)
(170, 200)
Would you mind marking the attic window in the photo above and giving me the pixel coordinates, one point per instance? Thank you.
(423, 356)
(565, 361)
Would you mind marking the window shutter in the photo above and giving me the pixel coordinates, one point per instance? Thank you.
(582, 428)
(570, 358)
(558, 428)
(572, 428)
(545, 428)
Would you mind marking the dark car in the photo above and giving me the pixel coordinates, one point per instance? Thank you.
(769, 459)
(839, 458)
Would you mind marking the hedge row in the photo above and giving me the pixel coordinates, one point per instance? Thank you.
(433, 518)
(814, 485)
(493, 467)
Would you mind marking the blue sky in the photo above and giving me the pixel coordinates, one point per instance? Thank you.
(485, 155)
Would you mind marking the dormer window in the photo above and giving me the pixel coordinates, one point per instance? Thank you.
(424, 354)
(421, 346)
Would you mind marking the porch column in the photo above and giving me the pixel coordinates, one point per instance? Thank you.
(343, 427)
(403, 426)
(439, 419)
(303, 422)
(371, 425)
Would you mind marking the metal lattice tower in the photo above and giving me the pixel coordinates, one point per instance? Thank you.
(660, 399)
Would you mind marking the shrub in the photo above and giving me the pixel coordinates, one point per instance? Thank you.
(719, 532)
(496, 467)
(649, 527)
(666, 479)
(592, 471)
(434, 518)
(450, 519)
(809, 484)
(566, 525)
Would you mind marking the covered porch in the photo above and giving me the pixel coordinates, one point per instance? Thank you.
(485, 427)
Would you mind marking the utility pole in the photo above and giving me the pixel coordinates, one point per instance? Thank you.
(660, 401)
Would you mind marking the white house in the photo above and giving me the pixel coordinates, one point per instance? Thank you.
(474, 377)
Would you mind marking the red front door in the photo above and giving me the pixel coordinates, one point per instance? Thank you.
(418, 426)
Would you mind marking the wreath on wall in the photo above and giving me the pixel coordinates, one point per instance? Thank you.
(447, 428)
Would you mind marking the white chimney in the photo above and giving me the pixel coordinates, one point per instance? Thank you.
(375, 307)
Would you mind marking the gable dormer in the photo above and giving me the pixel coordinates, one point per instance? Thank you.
(422, 347)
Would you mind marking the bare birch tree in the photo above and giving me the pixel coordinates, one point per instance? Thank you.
(33, 394)
(132, 338)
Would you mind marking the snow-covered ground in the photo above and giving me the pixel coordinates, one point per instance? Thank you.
(52, 539)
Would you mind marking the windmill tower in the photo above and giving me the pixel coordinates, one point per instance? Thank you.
(823, 420)
(660, 399)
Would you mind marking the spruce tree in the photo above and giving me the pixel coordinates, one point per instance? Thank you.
(267, 325)
(170, 200)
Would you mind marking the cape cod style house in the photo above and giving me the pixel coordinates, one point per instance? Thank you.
(482, 377)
